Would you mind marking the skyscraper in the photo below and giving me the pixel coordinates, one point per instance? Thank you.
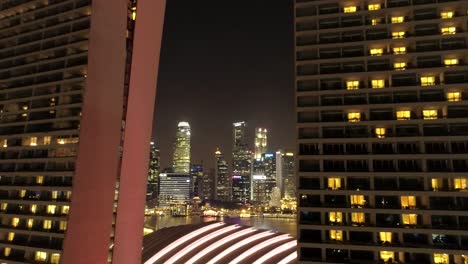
(381, 109)
(263, 178)
(241, 164)
(64, 156)
(260, 142)
(222, 178)
(181, 159)
(285, 175)
(153, 172)
(175, 188)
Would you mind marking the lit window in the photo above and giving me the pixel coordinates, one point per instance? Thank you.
(47, 140)
(409, 219)
(357, 200)
(460, 183)
(399, 50)
(436, 184)
(68, 195)
(398, 34)
(51, 209)
(335, 217)
(15, 221)
(380, 132)
(427, 80)
(352, 85)
(398, 19)
(40, 256)
(39, 179)
(63, 225)
(55, 258)
(430, 114)
(334, 183)
(450, 62)
(386, 255)
(33, 208)
(445, 15)
(448, 30)
(4, 206)
(22, 193)
(378, 83)
(376, 52)
(373, 7)
(399, 65)
(454, 96)
(63, 141)
(336, 235)
(10, 236)
(33, 141)
(357, 218)
(354, 117)
(5, 143)
(54, 195)
(65, 209)
(408, 201)
(30, 223)
(25, 108)
(133, 13)
(375, 21)
(403, 115)
(47, 224)
(385, 237)
(350, 9)
(441, 258)
(7, 251)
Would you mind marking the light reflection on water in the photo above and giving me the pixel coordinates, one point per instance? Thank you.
(284, 225)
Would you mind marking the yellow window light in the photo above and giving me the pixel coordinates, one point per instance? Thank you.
(398, 19)
(375, 21)
(376, 52)
(33, 208)
(65, 209)
(15, 221)
(454, 96)
(430, 114)
(380, 132)
(380, 83)
(354, 117)
(409, 219)
(3, 206)
(357, 200)
(10, 236)
(47, 140)
(4, 143)
(385, 237)
(40, 256)
(427, 80)
(398, 34)
(399, 50)
(51, 209)
(408, 201)
(133, 13)
(47, 224)
(403, 115)
(30, 223)
(63, 225)
(334, 183)
(33, 141)
(441, 258)
(336, 235)
(55, 258)
(386, 255)
(335, 217)
(39, 179)
(350, 9)
(446, 14)
(352, 85)
(450, 62)
(357, 218)
(399, 66)
(373, 7)
(7, 251)
(448, 30)
(460, 183)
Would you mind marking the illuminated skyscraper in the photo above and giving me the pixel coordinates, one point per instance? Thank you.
(181, 159)
(222, 178)
(153, 172)
(241, 162)
(260, 142)
(77, 87)
(263, 178)
(381, 92)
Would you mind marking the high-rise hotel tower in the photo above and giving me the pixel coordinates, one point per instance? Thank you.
(74, 76)
(382, 117)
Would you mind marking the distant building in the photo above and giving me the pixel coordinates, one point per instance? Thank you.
(153, 172)
(196, 171)
(222, 182)
(275, 200)
(263, 178)
(208, 185)
(260, 142)
(181, 158)
(285, 175)
(241, 164)
(175, 188)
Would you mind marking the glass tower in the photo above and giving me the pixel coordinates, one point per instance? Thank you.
(181, 159)
(222, 178)
(241, 164)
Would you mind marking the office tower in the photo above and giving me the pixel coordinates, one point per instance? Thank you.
(175, 189)
(153, 172)
(263, 178)
(181, 159)
(196, 171)
(285, 174)
(381, 89)
(260, 142)
(241, 162)
(208, 185)
(222, 178)
(60, 143)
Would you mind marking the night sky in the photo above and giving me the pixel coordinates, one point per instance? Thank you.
(222, 62)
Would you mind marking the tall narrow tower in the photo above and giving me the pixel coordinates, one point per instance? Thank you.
(222, 179)
(241, 164)
(260, 142)
(181, 159)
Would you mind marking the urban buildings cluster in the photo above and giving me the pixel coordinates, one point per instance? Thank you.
(252, 178)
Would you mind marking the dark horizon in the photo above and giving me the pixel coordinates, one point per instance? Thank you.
(224, 63)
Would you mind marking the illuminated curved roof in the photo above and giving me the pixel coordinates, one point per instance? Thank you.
(218, 242)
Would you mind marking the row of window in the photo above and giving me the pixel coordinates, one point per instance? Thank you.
(39, 141)
(427, 80)
(39, 256)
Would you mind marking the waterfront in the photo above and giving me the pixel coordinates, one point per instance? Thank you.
(284, 225)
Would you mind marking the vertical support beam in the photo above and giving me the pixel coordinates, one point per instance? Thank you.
(133, 177)
(91, 211)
